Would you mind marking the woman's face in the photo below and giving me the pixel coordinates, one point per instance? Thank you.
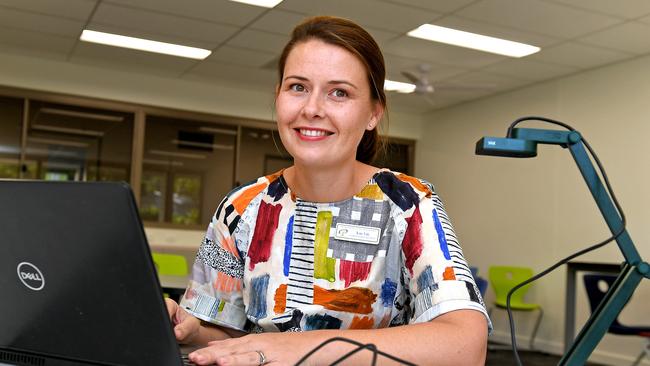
(323, 104)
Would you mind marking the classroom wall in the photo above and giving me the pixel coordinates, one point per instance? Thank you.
(534, 212)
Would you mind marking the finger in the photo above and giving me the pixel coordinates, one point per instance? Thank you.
(210, 355)
(243, 359)
(171, 307)
(186, 328)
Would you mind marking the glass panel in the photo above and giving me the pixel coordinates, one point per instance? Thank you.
(187, 169)
(261, 153)
(187, 196)
(11, 116)
(153, 193)
(66, 142)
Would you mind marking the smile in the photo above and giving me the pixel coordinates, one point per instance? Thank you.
(312, 134)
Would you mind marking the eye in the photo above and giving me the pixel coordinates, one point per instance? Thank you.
(339, 93)
(297, 87)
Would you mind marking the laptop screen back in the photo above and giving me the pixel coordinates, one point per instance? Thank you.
(77, 283)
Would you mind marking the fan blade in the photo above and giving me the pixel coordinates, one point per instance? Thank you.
(412, 77)
(458, 87)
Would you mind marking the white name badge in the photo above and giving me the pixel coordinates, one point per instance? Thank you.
(357, 233)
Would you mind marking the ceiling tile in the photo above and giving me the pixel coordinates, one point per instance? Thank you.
(35, 44)
(383, 15)
(73, 9)
(257, 40)
(395, 65)
(482, 81)
(412, 103)
(491, 30)
(220, 11)
(43, 23)
(277, 21)
(258, 79)
(630, 37)
(130, 60)
(440, 53)
(163, 24)
(538, 16)
(529, 70)
(579, 55)
(629, 9)
(241, 56)
(440, 6)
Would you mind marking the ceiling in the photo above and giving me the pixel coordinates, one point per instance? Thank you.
(574, 35)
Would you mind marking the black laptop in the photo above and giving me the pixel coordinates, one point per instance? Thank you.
(77, 283)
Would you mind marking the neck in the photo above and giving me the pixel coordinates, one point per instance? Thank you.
(328, 184)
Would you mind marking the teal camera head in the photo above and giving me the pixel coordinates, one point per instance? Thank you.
(507, 147)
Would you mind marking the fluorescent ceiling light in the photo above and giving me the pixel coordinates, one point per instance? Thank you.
(218, 130)
(177, 154)
(471, 40)
(262, 3)
(144, 44)
(398, 86)
(66, 130)
(68, 113)
(203, 145)
(45, 141)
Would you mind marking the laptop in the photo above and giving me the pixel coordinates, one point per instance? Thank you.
(77, 282)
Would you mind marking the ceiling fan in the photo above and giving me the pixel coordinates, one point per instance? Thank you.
(425, 88)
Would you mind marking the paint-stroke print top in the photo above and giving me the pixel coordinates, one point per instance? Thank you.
(273, 262)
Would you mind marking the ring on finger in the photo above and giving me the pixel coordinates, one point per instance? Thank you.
(262, 358)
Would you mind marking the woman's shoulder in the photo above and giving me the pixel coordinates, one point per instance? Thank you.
(240, 197)
(402, 189)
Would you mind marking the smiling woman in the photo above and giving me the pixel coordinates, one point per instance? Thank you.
(331, 246)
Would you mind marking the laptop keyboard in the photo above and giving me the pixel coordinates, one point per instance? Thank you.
(186, 360)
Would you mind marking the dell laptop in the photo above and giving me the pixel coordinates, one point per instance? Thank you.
(77, 282)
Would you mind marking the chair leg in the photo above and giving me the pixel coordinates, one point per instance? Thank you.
(539, 321)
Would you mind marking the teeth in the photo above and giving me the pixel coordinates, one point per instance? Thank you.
(312, 133)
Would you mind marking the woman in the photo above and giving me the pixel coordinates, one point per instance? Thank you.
(331, 246)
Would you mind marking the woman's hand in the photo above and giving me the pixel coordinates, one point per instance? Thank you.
(276, 348)
(186, 327)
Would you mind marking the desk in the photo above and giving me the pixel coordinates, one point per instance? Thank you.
(570, 304)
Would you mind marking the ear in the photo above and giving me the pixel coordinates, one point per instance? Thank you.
(376, 116)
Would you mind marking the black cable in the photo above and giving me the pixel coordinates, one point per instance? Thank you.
(576, 254)
(368, 346)
(359, 345)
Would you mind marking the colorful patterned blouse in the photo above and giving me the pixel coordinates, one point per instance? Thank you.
(271, 261)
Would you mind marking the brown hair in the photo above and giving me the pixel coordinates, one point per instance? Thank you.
(351, 37)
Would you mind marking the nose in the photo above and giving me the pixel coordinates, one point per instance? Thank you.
(314, 107)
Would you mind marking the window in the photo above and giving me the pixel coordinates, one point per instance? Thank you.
(188, 167)
(73, 143)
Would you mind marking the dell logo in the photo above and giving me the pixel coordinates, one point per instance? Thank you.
(30, 276)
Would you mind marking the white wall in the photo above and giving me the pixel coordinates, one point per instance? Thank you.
(534, 212)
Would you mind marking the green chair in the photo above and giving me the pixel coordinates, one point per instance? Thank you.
(503, 279)
(171, 265)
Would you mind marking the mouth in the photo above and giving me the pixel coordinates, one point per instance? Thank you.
(312, 134)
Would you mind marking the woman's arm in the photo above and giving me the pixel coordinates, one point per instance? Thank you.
(455, 338)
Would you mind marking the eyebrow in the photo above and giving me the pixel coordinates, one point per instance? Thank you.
(331, 82)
